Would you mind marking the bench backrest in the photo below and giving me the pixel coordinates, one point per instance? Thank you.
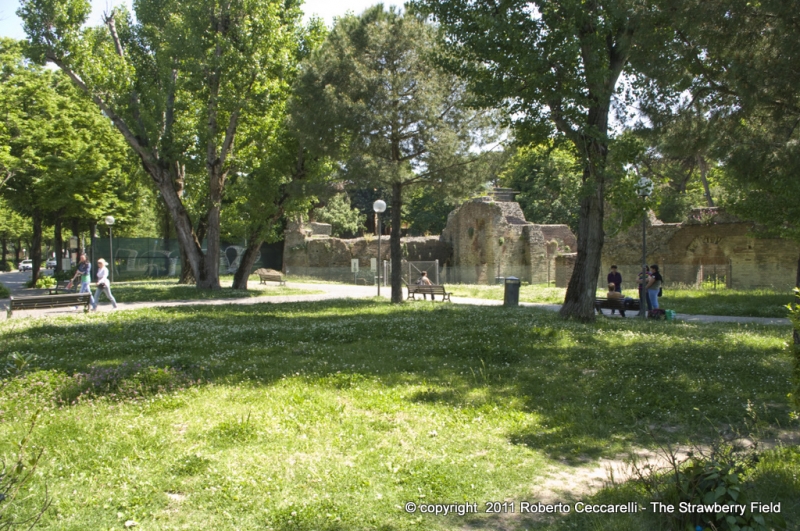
(433, 288)
(49, 301)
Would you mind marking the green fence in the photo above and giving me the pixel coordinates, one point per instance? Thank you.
(154, 257)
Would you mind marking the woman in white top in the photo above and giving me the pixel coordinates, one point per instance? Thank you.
(103, 284)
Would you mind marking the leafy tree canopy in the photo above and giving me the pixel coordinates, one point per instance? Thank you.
(393, 119)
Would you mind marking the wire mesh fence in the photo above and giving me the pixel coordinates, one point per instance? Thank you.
(153, 257)
(699, 276)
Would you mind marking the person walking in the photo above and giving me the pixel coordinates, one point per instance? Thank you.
(103, 284)
(653, 286)
(84, 271)
(615, 278)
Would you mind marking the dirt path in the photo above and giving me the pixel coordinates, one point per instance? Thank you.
(15, 281)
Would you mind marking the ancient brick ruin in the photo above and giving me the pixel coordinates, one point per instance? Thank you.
(484, 239)
(709, 245)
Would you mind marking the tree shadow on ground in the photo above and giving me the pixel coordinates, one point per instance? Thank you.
(583, 390)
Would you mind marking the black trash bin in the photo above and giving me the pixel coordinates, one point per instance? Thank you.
(511, 294)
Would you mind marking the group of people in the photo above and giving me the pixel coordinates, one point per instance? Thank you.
(84, 272)
(650, 281)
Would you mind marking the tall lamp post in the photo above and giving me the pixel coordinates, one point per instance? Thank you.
(110, 222)
(379, 207)
(644, 188)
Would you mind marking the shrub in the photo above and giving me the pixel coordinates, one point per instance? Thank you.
(4, 293)
(45, 283)
(794, 316)
(14, 478)
(64, 275)
(8, 265)
(705, 478)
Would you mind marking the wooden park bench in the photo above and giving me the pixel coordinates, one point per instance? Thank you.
(49, 301)
(425, 290)
(620, 305)
(61, 287)
(270, 275)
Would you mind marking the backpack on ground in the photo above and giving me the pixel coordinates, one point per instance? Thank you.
(657, 313)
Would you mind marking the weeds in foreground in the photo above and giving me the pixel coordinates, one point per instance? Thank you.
(14, 477)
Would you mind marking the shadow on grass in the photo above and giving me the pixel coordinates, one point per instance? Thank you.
(582, 390)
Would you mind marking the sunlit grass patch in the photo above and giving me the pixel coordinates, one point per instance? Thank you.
(332, 415)
(741, 303)
(169, 289)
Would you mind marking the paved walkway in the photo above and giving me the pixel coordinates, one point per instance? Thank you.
(16, 281)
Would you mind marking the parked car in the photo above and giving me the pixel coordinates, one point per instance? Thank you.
(25, 265)
(51, 263)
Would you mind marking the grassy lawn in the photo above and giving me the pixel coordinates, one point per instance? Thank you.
(742, 303)
(168, 290)
(333, 415)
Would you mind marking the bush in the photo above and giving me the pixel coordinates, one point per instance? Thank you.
(706, 477)
(14, 478)
(45, 283)
(65, 275)
(4, 293)
(794, 316)
(8, 265)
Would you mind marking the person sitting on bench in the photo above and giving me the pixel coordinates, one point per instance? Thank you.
(614, 294)
(425, 281)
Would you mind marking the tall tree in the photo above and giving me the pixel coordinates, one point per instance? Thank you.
(738, 61)
(398, 121)
(549, 179)
(556, 67)
(177, 81)
(61, 151)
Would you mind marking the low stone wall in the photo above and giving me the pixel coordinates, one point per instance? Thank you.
(711, 244)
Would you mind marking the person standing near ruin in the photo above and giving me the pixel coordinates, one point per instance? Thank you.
(615, 278)
(653, 286)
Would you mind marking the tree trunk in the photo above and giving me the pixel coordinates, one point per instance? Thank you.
(796, 332)
(797, 275)
(183, 224)
(246, 265)
(394, 244)
(4, 242)
(58, 242)
(703, 165)
(582, 287)
(92, 244)
(76, 233)
(210, 277)
(187, 275)
(36, 245)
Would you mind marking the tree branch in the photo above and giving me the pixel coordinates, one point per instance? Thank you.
(135, 110)
(119, 123)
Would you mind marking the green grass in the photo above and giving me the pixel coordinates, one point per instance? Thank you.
(168, 290)
(333, 415)
(739, 303)
(746, 303)
(528, 293)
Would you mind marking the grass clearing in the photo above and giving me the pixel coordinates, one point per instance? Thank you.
(332, 415)
(737, 303)
(169, 290)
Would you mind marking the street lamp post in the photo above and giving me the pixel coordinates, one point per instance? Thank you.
(110, 222)
(644, 188)
(379, 207)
